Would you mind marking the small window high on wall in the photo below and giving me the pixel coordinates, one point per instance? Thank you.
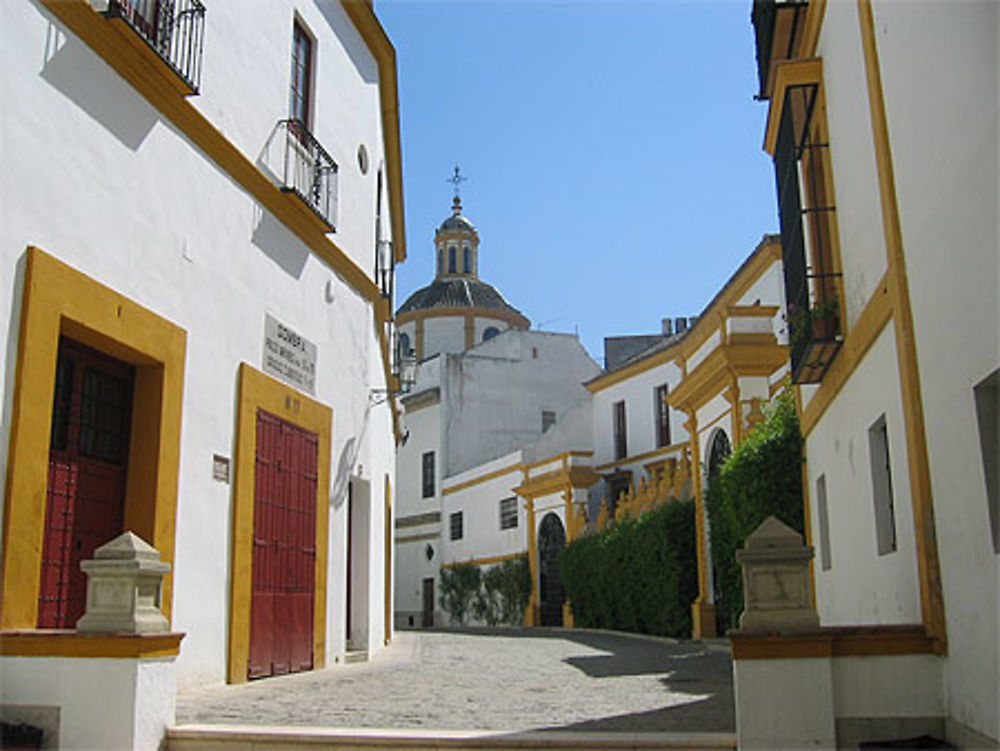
(427, 472)
(620, 438)
(300, 94)
(885, 510)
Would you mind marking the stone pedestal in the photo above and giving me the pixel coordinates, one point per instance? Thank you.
(124, 588)
(776, 585)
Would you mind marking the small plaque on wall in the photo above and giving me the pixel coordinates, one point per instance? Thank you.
(220, 468)
(289, 356)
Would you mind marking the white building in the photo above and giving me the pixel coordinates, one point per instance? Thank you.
(200, 219)
(486, 386)
(883, 126)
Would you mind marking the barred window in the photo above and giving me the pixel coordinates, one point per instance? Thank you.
(428, 474)
(508, 513)
(662, 416)
(621, 444)
(455, 522)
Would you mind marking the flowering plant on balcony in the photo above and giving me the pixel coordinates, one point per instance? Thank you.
(818, 321)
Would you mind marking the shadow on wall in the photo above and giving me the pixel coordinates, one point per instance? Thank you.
(355, 46)
(278, 243)
(82, 77)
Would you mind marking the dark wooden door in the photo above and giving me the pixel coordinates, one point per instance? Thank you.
(427, 617)
(88, 464)
(284, 548)
(552, 595)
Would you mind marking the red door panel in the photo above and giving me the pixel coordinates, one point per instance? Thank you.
(281, 635)
(88, 464)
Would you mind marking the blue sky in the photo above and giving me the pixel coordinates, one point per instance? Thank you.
(612, 149)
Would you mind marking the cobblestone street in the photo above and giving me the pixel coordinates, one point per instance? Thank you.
(503, 680)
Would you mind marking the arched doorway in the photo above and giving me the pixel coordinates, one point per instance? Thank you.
(551, 594)
(719, 449)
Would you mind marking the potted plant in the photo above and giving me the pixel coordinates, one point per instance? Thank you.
(817, 322)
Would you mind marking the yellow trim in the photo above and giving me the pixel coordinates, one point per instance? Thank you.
(702, 609)
(665, 451)
(726, 361)
(258, 391)
(367, 24)
(763, 257)
(72, 644)
(516, 320)
(480, 480)
(484, 561)
(752, 311)
(387, 562)
(57, 300)
(928, 567)
(788, 73)
(561, 479)
(874, 317)
(563, 457)
(814, 23)
(859, 641)
(470, 330)
(531, 612)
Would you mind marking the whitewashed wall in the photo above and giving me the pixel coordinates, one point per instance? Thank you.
(96, 177)
(480, 507)
(948, 198)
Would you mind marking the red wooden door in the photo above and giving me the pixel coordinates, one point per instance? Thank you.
(88, 463)
(284, 548)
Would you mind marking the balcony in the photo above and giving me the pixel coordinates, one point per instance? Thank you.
(309, 171)
(814, 331)
(778, 27)
(174, 29)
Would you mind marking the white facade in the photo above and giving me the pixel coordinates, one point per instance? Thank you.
(171, 205)
(899, 463)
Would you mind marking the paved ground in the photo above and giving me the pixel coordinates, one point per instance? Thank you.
(504, 680)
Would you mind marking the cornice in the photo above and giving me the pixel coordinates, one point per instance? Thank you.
(715, 373)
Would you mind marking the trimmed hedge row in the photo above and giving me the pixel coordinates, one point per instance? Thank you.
(641, 575)
(763, 476)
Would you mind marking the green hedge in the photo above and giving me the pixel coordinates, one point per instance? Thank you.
(641, 575)
(498, 594)
(762, 477)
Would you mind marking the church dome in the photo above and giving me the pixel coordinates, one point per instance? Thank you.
(460, 292)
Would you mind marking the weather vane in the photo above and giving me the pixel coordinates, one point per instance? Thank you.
(456, 180)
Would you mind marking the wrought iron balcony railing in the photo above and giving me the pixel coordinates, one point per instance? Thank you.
(778, 26)
(385, 268)
(814, 332)
(309, 171)
(175, 29)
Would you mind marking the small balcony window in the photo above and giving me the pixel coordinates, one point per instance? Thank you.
(309, 171)
(175, 29)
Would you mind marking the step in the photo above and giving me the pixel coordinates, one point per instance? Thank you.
(287, 738)
(356, 655)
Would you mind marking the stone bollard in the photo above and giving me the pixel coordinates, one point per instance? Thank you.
(124, 588)
(776, 586)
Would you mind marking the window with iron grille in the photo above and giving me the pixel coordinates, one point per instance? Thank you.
(662, 416)
(427, 471)
(300, 94)
(618, 418)
(455, 523)
(548, 419)
(806, 213)
(508, 513)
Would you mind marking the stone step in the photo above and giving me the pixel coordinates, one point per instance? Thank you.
(288, 738)
(356, 655)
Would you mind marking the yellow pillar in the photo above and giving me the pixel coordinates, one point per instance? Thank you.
(702, 609)
(531, 615)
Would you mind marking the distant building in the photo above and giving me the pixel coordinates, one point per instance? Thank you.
(883, 126)
(485, 386)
